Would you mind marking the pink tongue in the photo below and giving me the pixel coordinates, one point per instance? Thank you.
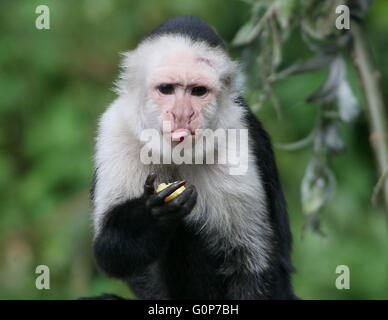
(179, 134)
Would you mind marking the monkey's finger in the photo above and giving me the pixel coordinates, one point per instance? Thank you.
(176, 208)
(183, 197)
(149, 184)
(170, 189)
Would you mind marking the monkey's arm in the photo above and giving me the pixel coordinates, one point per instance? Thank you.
(137, 231)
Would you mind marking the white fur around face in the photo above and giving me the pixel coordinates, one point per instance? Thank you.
(231, 211)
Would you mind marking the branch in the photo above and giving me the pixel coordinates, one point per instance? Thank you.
(376, 111)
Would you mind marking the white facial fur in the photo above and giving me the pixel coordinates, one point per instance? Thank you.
(231, 210)
(187, 64)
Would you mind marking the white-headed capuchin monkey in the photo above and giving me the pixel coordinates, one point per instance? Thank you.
(226, 236)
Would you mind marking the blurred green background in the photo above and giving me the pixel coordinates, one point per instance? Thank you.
(55, 83)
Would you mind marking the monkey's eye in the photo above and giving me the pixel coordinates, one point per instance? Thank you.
(166, 88)
(199, 91)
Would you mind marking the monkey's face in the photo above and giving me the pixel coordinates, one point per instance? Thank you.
(178, 87)
(183, 87)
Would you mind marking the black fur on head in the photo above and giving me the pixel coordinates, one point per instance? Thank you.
(191, 27)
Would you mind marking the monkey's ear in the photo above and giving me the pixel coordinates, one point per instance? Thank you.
(232, 78)
(228, 81)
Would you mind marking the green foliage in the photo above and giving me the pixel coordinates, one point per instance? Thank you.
(264, 37)
(54, 85)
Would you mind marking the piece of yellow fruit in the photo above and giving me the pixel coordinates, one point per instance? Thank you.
(172, 195)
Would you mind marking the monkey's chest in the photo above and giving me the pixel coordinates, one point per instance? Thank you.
(190, 270)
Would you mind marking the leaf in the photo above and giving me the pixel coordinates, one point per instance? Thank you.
(248, 32)
(284, 11)
(242, 35)
(317, 187)
(347, 102)
(261, 11)
(332, 138)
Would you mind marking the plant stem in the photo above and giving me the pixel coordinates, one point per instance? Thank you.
(377, 115)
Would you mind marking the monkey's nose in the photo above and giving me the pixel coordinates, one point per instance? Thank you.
(182, 117)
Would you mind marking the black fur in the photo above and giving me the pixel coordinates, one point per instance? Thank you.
(192, 27)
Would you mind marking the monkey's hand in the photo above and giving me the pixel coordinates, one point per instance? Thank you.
(167, 213)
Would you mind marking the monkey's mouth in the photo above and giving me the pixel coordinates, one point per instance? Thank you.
(179, 135)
